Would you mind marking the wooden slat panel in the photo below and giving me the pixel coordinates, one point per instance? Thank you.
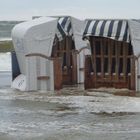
(89, 80)
(57, 74)
(119, 79)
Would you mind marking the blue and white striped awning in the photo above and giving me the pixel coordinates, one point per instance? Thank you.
(64, 26)
(114, 29)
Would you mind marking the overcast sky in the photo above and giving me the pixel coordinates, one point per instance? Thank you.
(25, 9)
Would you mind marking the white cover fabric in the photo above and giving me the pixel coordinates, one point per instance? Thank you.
(81, 64)
(134, 27)
(35, 36)
(19, 83)
(36, 67)
(77, 28)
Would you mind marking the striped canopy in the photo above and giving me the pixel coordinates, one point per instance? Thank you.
(64, 26)
(114, 29)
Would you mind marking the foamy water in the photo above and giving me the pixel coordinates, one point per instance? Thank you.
(5, 61)
(65, 114)
(54, 116)
(6, 39)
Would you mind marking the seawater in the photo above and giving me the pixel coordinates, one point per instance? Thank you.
(5, 69)
(6, 28)
(65, 116)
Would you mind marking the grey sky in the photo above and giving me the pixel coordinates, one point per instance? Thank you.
(25, 9)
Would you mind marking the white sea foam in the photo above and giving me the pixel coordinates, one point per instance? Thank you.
(5, 69)
(5, 61)
(6, 39)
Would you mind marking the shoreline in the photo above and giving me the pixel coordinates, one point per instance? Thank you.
(6, 45)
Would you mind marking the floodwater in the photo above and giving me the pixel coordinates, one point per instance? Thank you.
(68, 114)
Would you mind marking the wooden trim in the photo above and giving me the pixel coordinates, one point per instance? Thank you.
(43, 78)
(125, 52)
(68, 51)
(38, 54)
(92, 53)
(133, 73)
(94, 60)
(102, 58)
(117, 60)
(81, 69)
(110, 44)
